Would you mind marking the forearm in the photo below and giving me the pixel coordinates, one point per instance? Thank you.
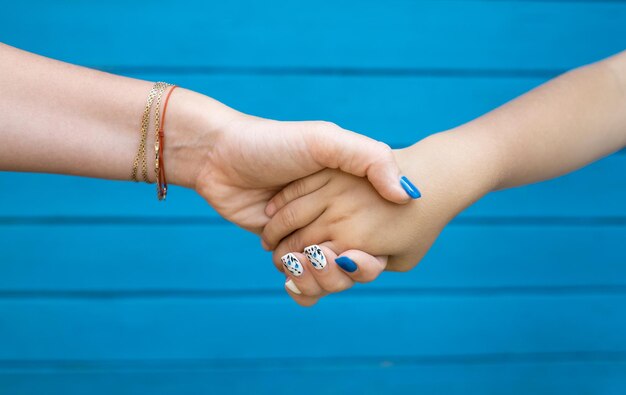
(61, 118)
(558, 127)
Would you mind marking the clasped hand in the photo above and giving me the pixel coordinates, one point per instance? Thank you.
(332, 229)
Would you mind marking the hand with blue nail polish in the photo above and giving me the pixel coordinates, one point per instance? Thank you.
(344, 210)
(249, 159)
(317, 271)
(554, 129)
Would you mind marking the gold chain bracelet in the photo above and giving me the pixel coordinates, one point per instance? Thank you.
(157, 89)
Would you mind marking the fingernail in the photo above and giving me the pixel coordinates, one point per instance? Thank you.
(316, 256)
(409, 188)
(346, 264)
(270, 209)
(292, 264)
(292, 287)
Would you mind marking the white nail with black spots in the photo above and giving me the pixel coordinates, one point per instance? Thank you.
(292, 264)
(316, 256)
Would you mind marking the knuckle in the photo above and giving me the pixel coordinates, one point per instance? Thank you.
(298, 188)
(368, 276)
(383, 150)
(399, 267)
(294, 242)
(326, 125)
(335, 286)
(312, 293)
(288, 218)
(280, 199)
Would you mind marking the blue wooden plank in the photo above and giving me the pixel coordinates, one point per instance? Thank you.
(275, 327)
(603, 183)
(396, 110)
(324, 378)
(200, 260)
(402, 34)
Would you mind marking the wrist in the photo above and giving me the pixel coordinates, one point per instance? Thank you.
(452, 169)
(194, 125)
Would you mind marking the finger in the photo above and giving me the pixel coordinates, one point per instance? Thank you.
(337, 148)
(326, 272)
(296, 189)
(302, 300)
(361, 266)
(295, 215)
(298, 240)
(299, 271)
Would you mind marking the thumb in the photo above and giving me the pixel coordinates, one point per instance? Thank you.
(337, 148)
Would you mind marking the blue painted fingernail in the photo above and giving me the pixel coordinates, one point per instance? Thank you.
(410, 189)
(346, 264)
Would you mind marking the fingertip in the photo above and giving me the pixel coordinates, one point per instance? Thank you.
(270, 209)
(361, 266)
(291, 286)
(411, 190)
(391, 185)
(265, 246)
(393, 192)
(346, 263)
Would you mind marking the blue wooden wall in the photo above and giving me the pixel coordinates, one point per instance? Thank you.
(524, 293)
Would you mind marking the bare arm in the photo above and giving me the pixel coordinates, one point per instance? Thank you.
(562, 125)
(60, 118)
(558, 127)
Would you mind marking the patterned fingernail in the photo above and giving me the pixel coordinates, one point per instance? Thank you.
(292, 264)
(292, 287)
(409, 188)
(316, 256)
(346, 264)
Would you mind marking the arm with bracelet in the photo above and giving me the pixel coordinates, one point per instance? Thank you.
(61, 118)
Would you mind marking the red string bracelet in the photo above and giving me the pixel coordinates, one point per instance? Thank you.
(161, 180)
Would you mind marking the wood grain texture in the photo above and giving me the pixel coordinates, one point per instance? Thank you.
(398, 111)
(523, 293)
(327, 377)
(197, 260)
(402, 34)
(275, 327)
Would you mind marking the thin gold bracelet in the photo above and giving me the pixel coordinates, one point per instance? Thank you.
(145, 121)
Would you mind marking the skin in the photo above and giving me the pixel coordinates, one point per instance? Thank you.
(66, 119)
(556, 128)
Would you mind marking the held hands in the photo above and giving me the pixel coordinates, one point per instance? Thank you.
(238, 162)
(303, 184)
(332, 213)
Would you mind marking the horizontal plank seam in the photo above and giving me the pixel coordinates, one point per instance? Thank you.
(332, 71)
(553, 1)
(488, 292)
(78, 220)
(8, 365)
